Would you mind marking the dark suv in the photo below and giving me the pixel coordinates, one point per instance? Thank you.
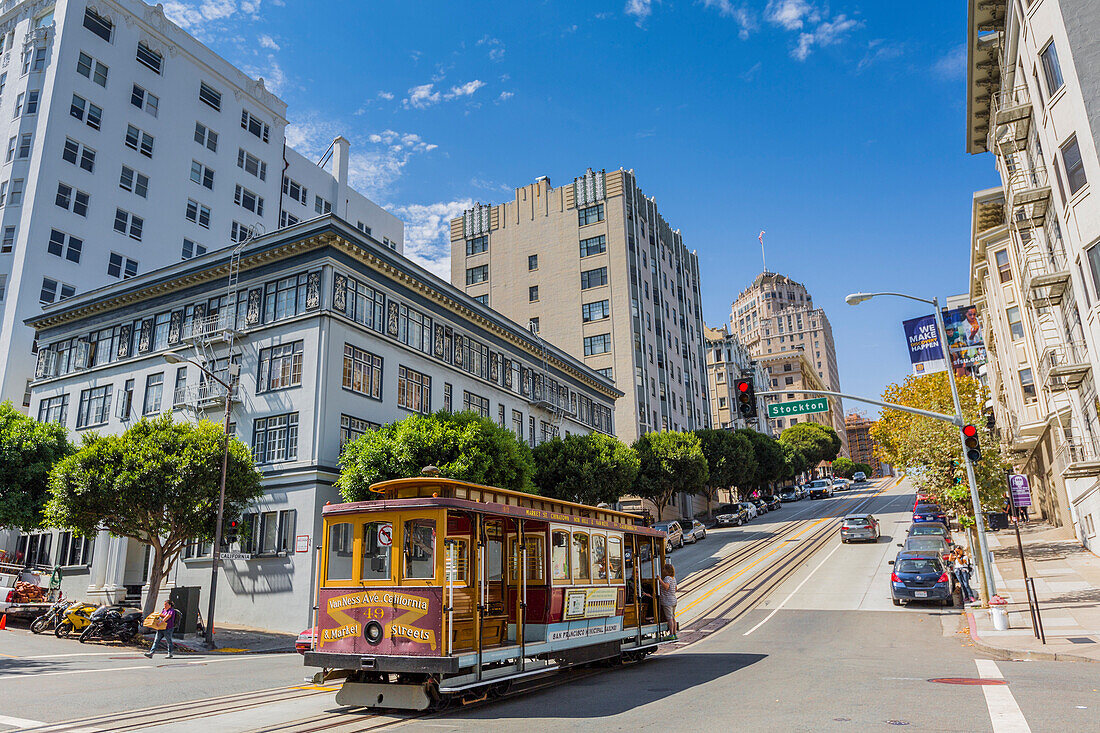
(731, 514)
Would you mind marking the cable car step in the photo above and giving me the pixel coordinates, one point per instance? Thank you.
(383, 695)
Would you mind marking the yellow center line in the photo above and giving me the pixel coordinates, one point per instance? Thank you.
(778, 547)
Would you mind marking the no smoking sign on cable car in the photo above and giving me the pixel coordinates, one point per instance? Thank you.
(385, 535)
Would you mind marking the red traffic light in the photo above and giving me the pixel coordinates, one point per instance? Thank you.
(743, 386)
(234, 524)
(970, 431)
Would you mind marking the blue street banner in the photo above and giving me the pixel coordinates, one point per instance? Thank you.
(965, 342)
(923, 343)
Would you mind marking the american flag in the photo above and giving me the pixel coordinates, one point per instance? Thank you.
(761, 237)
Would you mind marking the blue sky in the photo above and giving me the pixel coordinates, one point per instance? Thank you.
(838, 128)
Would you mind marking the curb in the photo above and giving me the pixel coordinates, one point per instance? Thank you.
(225, 652)
(1015, 655)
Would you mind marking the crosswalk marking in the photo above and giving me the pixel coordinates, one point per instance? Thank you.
(1004, 712)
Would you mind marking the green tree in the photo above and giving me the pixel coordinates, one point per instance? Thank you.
(844, 467)
(462, 445)
(745, 466)
(589, 469)
(670, 463)
(794, 462)
(868, 471)
(769, 457)
(157, 483)
(726, 453)
(28, 450)
(815, 441)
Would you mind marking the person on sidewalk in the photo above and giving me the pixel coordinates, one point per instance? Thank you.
(168, 615)
(960, 566)
(668, 596)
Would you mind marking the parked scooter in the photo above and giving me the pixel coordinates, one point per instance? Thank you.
(109, 623)
(75, 619)
(51, 617)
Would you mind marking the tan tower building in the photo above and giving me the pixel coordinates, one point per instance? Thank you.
(776, 315)
(595, 268)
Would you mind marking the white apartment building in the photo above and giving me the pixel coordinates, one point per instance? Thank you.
(1034, 102)
(129, 146)
(728, 360)
(335, 333)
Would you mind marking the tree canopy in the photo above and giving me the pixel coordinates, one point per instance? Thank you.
(769, 457)
(794, 462)
(929, 450)
(815, 441)
(157, 483)
(589, 469)
(730, 460)
(462, 445)
(670, 462)
(844, 467)
(28, 451)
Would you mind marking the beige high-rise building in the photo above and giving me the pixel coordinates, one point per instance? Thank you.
(595, 268)
(790, 370)
(776, 315)
(727, 362)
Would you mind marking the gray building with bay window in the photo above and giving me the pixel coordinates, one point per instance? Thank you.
(335, 333)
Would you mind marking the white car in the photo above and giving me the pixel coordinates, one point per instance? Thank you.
(751, 509)
(840, 484)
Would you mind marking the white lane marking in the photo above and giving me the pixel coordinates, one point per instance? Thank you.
(201, 660)
(1004, 713)
(798, 588)
(19, 722)
(81, 654)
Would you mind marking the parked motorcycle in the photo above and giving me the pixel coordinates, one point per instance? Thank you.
(51, 617)
(75, 619)
(109, 623)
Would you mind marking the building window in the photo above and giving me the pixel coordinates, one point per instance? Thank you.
(251, 165)
(532, 262)
(1027, 385)
(192, 249)
(179, 392)
(295, 190)
(131, 180)
(1075, 167)
(95, 407)
(285, 298)
(414, 328)
(475, 403)
(254, 125)
(517, 424)
(86, 112)
(7, 244)
(140, 141)
(54, 409)
(78, 154)
(203, 175)
(477, 245)
(362, 227)
(1004, 266)
(362, 372)
(210, 96)
(448, 399)
(206, 137)
(600, 344)
(52, 290)
(1015, 323)
(248, 200)
(483, 299)
(98, 24)
(149, 58)
(62, 245)
(142, 99)
(596, 311)
(477, 274)
(606, 372)
(533, 293)
(1052, 70)
(286, 219)
(89, 68)
(280, 367)
(70, 199)
(352, 427)
(119, 266)
(533, 324)
(594, 245)
(239, 232)
(321, 206)
(26, 103)
(275, 438)
(414, 390)
(198, 213)
(129, 224)
(593, 278)
(154, 393)
(590, 214)
(365, 305)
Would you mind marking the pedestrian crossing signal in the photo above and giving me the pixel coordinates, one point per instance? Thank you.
(746, 398)
(970, 442)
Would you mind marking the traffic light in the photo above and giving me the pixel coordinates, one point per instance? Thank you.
(230, 531)
(970, 441)
(746, 398)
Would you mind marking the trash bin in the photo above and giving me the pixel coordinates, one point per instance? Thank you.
(186, 601)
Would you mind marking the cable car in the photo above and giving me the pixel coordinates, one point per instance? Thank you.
(441, 590)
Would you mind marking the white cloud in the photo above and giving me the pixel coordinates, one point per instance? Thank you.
(385, 95)
(745, 18)
(505, 96)
(791, 15)
(640, 9)
(421, 97)
(495, 46)
(273, 75)
(427, 233)
(952, 65)
(464, 90)
(750, 73)
(201, 16)
(268, 42)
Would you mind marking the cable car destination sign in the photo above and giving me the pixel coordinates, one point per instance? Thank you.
(798, 407)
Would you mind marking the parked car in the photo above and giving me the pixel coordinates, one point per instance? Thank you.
(674, 534)
(840, 484)
(933, 529)
(788, 495)
(694, 530)
(929, 513)
(731, 514)
(860, 527)
(761, 506)
(920, 576)
(859, 477)
(751, 509)
(304, 642)
(928, 543)
(821, 488)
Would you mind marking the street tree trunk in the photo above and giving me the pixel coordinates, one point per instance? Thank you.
(156, 575)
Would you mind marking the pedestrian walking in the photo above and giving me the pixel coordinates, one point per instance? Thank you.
(168, 615)
(960, 566)
(668, 595)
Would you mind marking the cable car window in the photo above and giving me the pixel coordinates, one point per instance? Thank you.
(420, 548)
(377, 551)
(457, 572)
(615, 558)
(534, 561)
(645, 557)
(339, 551)
(559, 554)
(599, 557)
(580, 556)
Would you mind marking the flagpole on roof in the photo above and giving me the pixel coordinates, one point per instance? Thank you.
(762, 259)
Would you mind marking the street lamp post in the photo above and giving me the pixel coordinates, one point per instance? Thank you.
(989, 587)
(173, 358)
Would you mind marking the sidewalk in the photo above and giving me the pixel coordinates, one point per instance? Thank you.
(1067, 582)
(239, 640)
